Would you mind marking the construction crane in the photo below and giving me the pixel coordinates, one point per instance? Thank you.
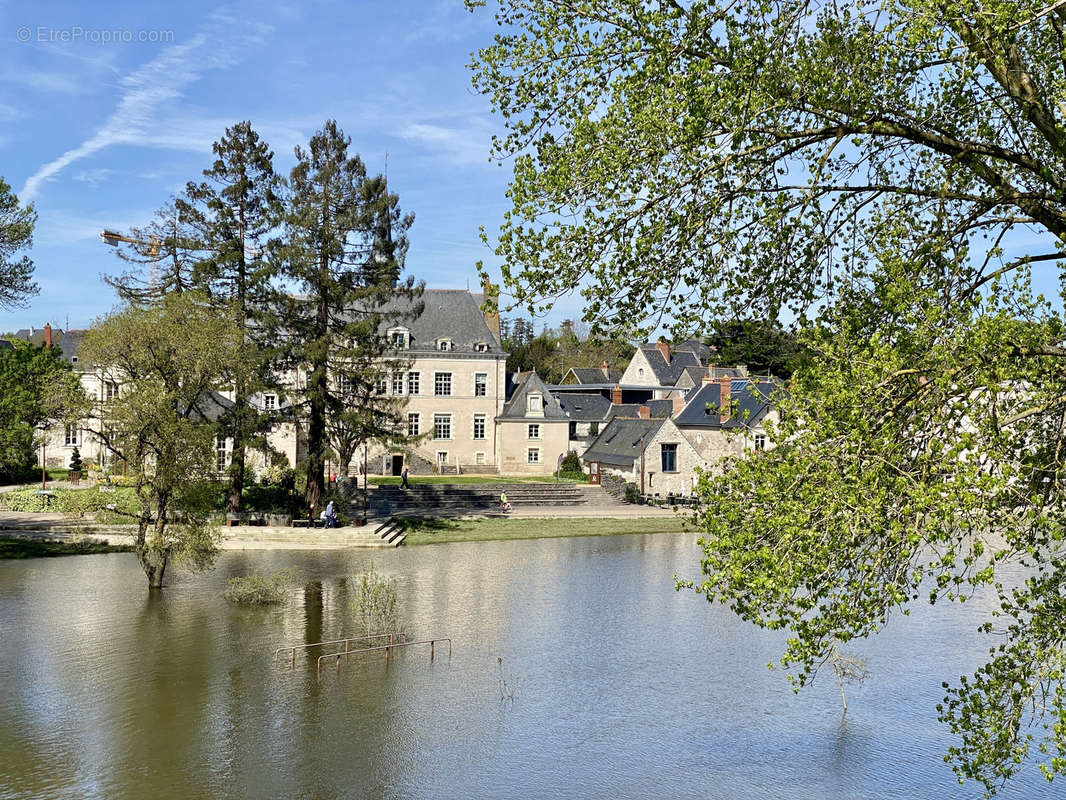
(149, 248)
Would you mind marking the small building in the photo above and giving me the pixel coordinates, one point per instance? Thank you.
(533, 430)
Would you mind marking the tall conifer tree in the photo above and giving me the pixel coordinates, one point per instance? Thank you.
(236, 213)
(345, 242)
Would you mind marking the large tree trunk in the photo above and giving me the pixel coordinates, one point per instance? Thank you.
(153, 561)
(234, 495)
(316, 423)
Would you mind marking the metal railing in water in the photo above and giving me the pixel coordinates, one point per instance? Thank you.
(394, 638)
(386, 647)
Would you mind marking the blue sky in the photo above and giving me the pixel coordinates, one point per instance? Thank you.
(107, 109)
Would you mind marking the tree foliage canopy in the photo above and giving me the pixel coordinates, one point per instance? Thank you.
(37, 386)
(16, 234)
(891, 173)
(169, 359)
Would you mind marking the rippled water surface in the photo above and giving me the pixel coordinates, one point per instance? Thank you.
(616, 685)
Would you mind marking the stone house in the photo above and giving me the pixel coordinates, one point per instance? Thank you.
(651, 453)
(726, 416)
(533, 430)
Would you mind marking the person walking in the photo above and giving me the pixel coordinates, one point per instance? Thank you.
(505, 507)
(329, 516)
(403, 475)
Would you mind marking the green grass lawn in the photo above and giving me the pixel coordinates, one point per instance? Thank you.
(461, 479)
(430, 530)
(13, 547)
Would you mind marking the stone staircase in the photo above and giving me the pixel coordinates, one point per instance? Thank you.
(391, 532)
(450, 498)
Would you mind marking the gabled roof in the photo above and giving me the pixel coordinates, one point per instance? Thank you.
(584, 407)
(752, 401)
(66, 341)
(593, 375)
(622, 440)
(695, 346)
(516, 406)
(660, 409)
(667, 374)
(453, 314)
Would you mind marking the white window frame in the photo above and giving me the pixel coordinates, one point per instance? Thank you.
(481, 419)
(535, 403)
(479, 459)
(442, 380)
(109, 390)
(270, 402)
(533, 430)
(414, 423)
(481, 387)
(397, 383)
(760, 441)
(414, 383)
(439, 421)
(533, 455)
(70, 435)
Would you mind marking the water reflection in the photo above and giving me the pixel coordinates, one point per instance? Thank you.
(624, 688)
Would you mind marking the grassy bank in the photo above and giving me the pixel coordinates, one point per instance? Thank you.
(435, 531)
(13, 547)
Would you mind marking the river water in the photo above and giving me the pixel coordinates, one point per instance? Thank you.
(612, 685)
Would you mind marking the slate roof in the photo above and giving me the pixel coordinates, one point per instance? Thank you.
(516, 406)
(660, 409)
(447, 313)
(695, 346)
(667, 374)
(584, 407)
(619, 442)
(211, 407)
(701, 408)
(593, 375)
(67, 341)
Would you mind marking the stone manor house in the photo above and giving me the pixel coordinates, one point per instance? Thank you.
(654, 422)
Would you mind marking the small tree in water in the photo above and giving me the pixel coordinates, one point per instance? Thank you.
(375, 604)
(168, 358)
(848, 668)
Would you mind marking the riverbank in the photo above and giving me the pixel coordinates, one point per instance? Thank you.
(21, 547)
(50, 530)
(441, 530)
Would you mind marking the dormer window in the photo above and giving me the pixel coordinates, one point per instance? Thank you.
(444, 345)
(535, 403)
(399, 338)
(73, 359)
(481, 347)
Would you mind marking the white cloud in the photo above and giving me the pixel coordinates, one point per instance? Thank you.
(157, 85)
(463, 146)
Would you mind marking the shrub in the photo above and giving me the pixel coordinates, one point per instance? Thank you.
(631, 494)
(75, 461)
(257, 590)
(570, 463)
(77, 501)
(375, 604)
(578, 476)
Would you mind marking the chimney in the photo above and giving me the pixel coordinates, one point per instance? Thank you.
(47, 334)
(679, 404)
(492, 317)
(606, 370)
(644, 412)
(710, 377)
(616, 395)
(664, 348)
(725, 384)
(743, 370)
